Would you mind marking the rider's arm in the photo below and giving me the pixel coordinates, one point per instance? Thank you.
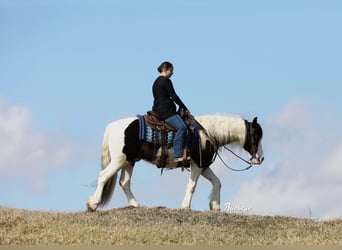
(174, 97)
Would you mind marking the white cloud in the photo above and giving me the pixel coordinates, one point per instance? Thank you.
(27, 154)
(302, 173)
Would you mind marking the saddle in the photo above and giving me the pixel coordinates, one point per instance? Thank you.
(154, 130)
(153, 120)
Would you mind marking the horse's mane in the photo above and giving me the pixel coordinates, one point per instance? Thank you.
(225, 128)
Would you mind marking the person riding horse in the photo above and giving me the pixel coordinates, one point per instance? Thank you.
(122, 146)
(165, 98)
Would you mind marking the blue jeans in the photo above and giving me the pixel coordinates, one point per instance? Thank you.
(178, 142)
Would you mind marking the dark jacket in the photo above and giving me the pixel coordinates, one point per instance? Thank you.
(165, 98)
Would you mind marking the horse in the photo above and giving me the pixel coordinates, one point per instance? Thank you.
(122, 148)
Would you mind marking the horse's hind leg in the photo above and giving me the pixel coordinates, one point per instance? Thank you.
(125, 183)
(105, 175)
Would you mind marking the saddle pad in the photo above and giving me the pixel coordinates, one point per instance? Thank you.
(148, 134)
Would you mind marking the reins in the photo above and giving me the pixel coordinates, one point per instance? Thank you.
(239, 157)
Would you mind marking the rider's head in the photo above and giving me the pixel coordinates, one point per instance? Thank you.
(166, 69)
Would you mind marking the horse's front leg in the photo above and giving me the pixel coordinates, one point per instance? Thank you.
(195, 172)
(214, 203)
(125, 183)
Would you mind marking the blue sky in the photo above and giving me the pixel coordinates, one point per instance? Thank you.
(68, 68)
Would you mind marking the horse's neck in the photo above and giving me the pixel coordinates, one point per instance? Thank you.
(225, 129)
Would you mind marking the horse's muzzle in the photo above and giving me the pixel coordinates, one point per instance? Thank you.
(257, 160)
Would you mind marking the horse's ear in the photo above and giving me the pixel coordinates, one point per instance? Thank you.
(255, 120)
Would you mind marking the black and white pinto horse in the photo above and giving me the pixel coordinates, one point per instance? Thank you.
(122, 148)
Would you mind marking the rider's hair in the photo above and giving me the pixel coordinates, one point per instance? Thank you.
(164, 66)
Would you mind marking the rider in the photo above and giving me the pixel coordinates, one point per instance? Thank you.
(165, 98)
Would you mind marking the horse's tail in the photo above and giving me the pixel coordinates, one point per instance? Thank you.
(108, 188)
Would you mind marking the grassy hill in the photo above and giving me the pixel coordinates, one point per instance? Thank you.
(161, 226)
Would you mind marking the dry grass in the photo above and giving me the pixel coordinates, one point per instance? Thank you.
(161, 226)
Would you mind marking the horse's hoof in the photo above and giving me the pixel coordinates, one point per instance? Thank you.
(215, 207)
(90, 208)
(186, 208)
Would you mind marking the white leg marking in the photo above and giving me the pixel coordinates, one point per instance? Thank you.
(125, 183)
(194, 174)
(214, 203)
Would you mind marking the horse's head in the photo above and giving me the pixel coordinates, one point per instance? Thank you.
(253, 141)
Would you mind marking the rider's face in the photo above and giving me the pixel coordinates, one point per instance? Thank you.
(169, 72)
